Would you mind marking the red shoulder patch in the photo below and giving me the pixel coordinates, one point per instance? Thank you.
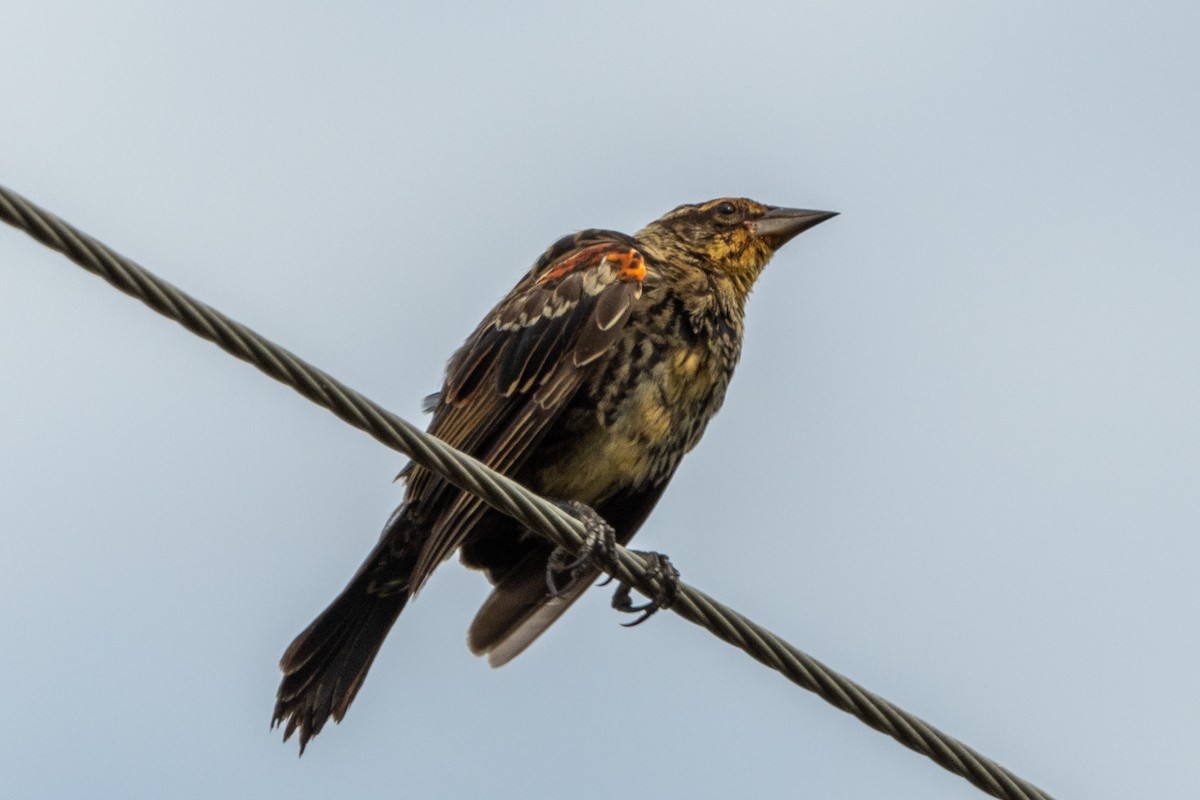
(627, 264)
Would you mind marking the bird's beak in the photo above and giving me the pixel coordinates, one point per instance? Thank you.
(780, 225)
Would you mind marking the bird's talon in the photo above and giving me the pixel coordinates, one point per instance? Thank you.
(645, 616)
(661, 568)
(599, 546)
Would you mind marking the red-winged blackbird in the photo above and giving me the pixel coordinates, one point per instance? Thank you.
(587, 383)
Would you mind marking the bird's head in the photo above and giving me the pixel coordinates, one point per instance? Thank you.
(730, 236)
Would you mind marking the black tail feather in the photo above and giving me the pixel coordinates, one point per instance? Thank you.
(325, 665)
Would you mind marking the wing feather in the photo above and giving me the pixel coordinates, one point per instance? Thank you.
(517, 372)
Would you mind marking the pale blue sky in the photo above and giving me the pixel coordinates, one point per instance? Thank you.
(959, 461)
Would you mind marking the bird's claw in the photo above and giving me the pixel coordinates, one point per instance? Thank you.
(661, 568)
(599, 544)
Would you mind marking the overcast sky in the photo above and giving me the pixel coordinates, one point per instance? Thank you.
(959, 460)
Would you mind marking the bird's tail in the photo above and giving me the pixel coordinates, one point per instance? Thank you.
(521, 608)
(324, 667)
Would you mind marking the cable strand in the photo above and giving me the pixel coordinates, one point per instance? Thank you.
(508, 496)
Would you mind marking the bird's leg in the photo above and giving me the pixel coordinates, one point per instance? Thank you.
(599, 544)
(661, 568)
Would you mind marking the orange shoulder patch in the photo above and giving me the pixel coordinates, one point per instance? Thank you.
(630, 265)
(627, 264)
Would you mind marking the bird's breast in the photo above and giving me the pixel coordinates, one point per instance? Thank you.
(646, 407)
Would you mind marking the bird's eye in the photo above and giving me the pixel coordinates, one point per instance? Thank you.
(726, 209)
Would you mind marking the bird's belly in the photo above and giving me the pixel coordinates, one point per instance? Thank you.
(636, 436)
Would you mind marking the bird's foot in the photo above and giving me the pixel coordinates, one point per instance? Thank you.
(599, 545)
(661, 568)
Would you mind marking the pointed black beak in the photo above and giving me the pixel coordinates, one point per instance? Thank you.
(780, 225)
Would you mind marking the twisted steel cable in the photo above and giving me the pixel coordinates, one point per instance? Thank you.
(509, 497)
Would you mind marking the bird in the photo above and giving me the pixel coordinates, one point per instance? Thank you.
(587, 384)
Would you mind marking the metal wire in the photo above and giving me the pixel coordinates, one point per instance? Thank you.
(508, 496)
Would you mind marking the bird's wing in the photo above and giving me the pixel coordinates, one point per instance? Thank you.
(520, 368)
